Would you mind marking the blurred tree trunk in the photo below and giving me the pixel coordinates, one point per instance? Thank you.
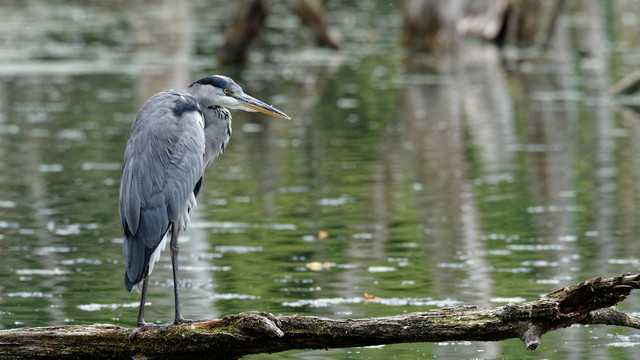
(430, 24)
(312, 15)
(522, 20)
(484, 18)
(433, 24)
(248, 21)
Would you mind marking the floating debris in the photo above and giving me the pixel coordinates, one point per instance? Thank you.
(319, 266)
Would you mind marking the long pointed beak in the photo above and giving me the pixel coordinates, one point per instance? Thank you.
(252, 104)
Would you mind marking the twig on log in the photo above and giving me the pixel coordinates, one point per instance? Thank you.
(255, 332)
(611, 316)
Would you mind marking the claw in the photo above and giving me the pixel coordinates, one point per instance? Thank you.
(160, 327)
(182, 320)
(145, 326)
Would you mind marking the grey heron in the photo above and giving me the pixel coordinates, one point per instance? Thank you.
(174, 137)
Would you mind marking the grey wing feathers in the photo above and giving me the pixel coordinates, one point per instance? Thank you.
(163, 163)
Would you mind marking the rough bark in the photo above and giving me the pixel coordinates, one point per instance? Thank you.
(255, 332)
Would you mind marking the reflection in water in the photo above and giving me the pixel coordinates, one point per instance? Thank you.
(163, 43)
(602, 129)
(552, 119)
(423, 180)
(446, 201)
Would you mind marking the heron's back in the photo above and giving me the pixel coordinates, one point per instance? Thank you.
(161, 175)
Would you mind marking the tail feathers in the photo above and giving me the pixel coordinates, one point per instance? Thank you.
(139, 259)
(136, 259)
(128, 284)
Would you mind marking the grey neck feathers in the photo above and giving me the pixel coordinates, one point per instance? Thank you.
(217, 131)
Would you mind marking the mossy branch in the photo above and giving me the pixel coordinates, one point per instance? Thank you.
(246, 333)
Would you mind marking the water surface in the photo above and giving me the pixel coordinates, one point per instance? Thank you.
(425, 180)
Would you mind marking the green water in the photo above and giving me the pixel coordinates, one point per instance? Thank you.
(427, 180)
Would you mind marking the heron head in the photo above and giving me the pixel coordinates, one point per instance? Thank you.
(218, 90)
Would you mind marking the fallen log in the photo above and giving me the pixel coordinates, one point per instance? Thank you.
(233, 336)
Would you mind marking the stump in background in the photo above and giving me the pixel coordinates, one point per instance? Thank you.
(430, 24)
(249, 20)
(435, 24)
(247, 23)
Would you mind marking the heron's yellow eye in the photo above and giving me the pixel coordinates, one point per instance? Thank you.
(226, 91)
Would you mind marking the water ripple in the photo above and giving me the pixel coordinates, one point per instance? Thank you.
(326, 302)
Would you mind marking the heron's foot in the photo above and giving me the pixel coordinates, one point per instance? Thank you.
(161, 327)
(180, 320)
(145, 326)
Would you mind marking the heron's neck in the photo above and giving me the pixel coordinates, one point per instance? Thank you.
(217, 131)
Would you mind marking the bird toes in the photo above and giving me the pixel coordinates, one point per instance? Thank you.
(181, 320)
(145, 326)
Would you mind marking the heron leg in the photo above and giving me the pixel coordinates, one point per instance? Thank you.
(143, 300)
(141, 323)
(174, 262)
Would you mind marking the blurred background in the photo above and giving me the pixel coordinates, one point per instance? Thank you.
(440, 153)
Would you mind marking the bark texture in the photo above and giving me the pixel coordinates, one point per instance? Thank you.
(241, 334)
